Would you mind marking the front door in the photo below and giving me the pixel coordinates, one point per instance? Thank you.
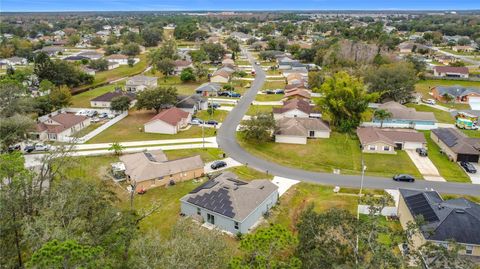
(211, 219)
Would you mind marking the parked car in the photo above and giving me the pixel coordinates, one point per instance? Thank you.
(42, 147)
(111, 116)
(93, 120)
(269, 92)
(403, 177)
(92, 113)
(422, 152)
(212, 122)
(196, 121)
(223, 93)
(214, 105)
(13, 148)
(29, 148)
(468, 167)
(82, 112)
(102, 115)
(235, 95)
(278, 91)
(218, 164)
(430, 101)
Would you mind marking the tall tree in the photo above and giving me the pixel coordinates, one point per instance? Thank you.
(151, 36)
(157, 98)
(120, 103)
(393, 81)
(215, 52)
(382, 115)
(344, 99)
(60, 97)
(14, 129)
(259, 128)
(166, 66)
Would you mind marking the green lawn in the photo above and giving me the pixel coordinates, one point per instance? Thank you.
(277, 84)
(440, 115)
(471, 133)
(448, 170)
(242, 62)
(218, 115)
(424, 87)
(254, 109)
(131, 129)
(88, 129)
(269, 97)
(340, 151)
(207, 154)
(83, 99)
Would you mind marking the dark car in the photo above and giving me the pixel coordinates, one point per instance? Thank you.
(269, 92)
(422, 152)
(214, 105)
(234, 94)
(403, 177)
(468, 167)
(29, 148)
(211, 122)
(13, 148)
(222, 93)
(218, 164)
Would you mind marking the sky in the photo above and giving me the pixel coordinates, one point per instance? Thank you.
(169, 5)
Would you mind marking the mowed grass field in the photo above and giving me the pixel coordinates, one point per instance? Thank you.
(131, 129)
(340, 151)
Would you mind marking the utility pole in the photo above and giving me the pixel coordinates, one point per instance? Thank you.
(359, 198)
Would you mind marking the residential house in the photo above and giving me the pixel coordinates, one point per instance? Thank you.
(376, 140)
(463, 48)
(443, 220)
(168, 121)
(88, 71)
(450, 71)
(445, 59)
(296, 108)
(459, 94)
(118, 58)
(152, 169)
(301, 70)
(14, 61)
(208, 89)
(406, 117)
(230, 204)
(191, 103)
(296, 79)
(91, 55)
(242, 37)
(180, 65)
(52, 50)
(112, 65)
(220, 76)
(140, 82)
(298, 93)
(297, 130)
(58, 126)
(105, 100)
(456, 145)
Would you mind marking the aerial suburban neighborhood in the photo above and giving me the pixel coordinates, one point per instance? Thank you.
(151, 138)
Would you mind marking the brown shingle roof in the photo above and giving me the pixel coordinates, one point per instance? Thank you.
(171, 116)
(60, 122)
(297, 92)
(369, 135)
(300, 126)
(179, 63)
(451, 69)
(296, 103)
(402, 112)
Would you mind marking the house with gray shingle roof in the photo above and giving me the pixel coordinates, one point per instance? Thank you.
(230, 204)
(297, 130)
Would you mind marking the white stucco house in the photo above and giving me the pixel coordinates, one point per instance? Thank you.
(140, 82)
(168, 121)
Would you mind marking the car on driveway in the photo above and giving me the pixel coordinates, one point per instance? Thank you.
(468, 167)
(212, 122)
(196, 121)
(403, 177)
(92, 113)
(214, 105)
(103, 115)
(218, 164)
(422, 152)
(13, 148)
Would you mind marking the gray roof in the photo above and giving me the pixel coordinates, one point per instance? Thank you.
(401, 112)
(300, 126)
(141, 80)
(208, 87)
(231, 197)
(455, 219)
(457, 91)
(457, 141)
(189, 101)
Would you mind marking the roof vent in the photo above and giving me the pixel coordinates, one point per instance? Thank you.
(261, 187)
(226, 187)
(460, 211)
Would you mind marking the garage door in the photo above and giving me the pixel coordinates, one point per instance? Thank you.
(474, 103)
(467, 158)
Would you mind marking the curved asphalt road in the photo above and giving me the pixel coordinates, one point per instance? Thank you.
(226, 139)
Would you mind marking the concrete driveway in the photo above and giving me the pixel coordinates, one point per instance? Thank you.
(475, 178)
(425, 166)
(230, 163)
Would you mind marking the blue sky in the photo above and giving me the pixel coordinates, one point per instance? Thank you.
(139, 5)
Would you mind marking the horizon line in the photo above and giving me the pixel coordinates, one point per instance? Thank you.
(242, 10)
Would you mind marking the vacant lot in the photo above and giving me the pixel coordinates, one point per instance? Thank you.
(440, 115)
(131, 129)
(269, 97)
(218, 115)
(254, 109)
(340, 151)
(274, 84)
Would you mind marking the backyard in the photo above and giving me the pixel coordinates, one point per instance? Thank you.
(83, 99)
(131, 129)
(340, 151)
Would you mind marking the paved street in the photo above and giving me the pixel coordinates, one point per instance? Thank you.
(226, 139)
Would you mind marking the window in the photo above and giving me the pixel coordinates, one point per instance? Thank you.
(210, 218)
(469, 249)
(312, 133)
(386, 148)
(198, 211)
(372, 147)
(236, 225)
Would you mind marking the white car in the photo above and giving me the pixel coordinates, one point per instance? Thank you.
(42, 147)
(111, 116)
(82, 112)
(430, 102)
(93, 120)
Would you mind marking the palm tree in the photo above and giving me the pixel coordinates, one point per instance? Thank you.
(447, 97)
(382, 115)
(117, 148)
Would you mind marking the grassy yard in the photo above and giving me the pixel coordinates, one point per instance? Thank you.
(218, 115)
(207, 154)
(340, 151)
(448, 170)
(440, 115)
(254, 109)
(131, 129)
(424, 87)
(269, 97)
(471, 133)
(242, 62)
(277, 84)
(88, 129)
(83, 99)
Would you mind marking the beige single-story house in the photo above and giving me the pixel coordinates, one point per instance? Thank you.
(180, 65)
(444, 220)
(152, 169)
(295, 108)
(451, 71)
(376, 140)
(298, 130)
(220, 76)
(168, 121)
(140, 82)
(58, 126)
(118, 58)
(456, 145)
